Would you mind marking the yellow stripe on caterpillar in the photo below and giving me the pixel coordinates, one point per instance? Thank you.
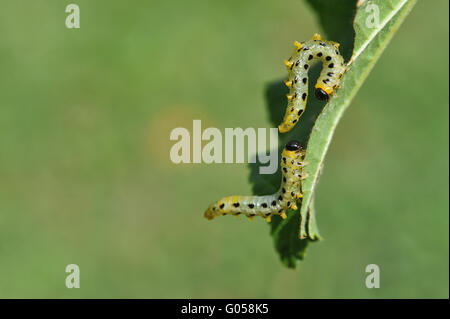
(328, 90)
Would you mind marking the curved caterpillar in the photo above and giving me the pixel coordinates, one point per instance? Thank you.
(292, 162)
(298, 65)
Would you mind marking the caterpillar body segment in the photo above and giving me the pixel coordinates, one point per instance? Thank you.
(305, 53)
(292, 163)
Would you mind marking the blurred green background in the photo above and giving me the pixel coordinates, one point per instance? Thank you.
(86, 178)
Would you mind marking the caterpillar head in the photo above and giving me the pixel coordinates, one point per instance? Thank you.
(293, 150)
(321, 94)
(293, 145)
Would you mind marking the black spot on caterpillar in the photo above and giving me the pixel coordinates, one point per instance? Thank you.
(298, 64)
(276, 204)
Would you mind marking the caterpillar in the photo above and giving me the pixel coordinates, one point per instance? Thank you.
(298, 64)
(292, 163)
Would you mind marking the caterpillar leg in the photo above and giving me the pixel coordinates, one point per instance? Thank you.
(317, 37)
(304, 176)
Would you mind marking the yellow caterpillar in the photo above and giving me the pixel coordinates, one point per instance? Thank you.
(292, 163)
(298, 65)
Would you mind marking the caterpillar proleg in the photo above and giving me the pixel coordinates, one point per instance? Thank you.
(292, 162)
(298, 65)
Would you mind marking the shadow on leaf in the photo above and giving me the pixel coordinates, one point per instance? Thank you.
(285, 232)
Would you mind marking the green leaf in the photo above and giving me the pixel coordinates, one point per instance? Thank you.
(362, 44)
(370, 41)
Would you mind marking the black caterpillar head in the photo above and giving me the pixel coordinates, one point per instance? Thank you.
(321, 94)
(293, 145)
